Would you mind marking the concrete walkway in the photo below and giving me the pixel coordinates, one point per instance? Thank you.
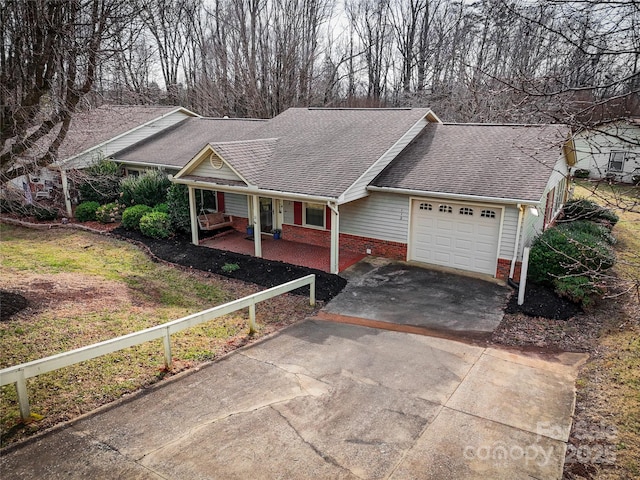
(326, 400)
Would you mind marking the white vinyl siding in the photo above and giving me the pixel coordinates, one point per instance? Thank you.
(236, 205)
(359, 187)
(383, 216)
(125, 140)
(204, 169)
(509, 227)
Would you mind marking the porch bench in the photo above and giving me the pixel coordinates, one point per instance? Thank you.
(214, 221)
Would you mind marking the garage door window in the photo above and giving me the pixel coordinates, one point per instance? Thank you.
(488, 214)
(466, 211)
(445, 209)
(426, 206)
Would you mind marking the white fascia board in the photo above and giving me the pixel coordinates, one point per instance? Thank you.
(429, 116)
(61, 164)
(147, 165)
(455, 196)
(253, 190)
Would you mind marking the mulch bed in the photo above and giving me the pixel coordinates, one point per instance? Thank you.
(266, 273)
(10, 304)
(543, 302)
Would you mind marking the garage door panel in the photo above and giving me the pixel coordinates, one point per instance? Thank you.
(462, 239)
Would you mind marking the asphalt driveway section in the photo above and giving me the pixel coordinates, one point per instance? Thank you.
(328, 400)
(404, 294)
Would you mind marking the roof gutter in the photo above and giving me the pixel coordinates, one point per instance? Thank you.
(253, 190)
(454, 196)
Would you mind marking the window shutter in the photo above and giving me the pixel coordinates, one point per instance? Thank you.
(220, 201)
(297, 213)
(328, 218)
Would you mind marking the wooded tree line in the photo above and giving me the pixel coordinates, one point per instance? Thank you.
(495, 60)
(488, 61)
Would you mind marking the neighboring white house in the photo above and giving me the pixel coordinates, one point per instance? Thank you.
(610, 150)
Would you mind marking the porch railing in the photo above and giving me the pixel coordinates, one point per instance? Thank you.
(19, 373)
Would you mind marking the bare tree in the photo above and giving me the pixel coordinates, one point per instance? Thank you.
(49, 55)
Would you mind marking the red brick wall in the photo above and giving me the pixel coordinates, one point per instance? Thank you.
(504, 267)
(380, 248)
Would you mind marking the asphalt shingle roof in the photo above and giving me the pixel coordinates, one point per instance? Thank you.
(176, 145)
(498, 161)
(303, 150)
(98, 125)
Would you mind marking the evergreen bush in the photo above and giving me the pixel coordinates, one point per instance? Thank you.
(155, 225)
(178, 206)
(583, 209)
(149, 188)
(86, 211)
(132, 215)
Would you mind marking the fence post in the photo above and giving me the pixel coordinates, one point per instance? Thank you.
(252, 318)
(167, 349)
(312, 291)
(23, 398)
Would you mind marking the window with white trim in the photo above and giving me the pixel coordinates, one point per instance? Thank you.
(426, 206)
(616, 161)
(314, 215)
(488, 214)
(466, 211)
(445, 209)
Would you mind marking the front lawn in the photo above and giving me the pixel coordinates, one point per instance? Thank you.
(84, 288)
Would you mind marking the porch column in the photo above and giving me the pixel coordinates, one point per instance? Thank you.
(193, 213)
(65, 192)
(335, 238)
(257, 237)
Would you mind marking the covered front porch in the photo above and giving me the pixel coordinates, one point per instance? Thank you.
(295, 253)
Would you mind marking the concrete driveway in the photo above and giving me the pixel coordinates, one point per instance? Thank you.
(434, 301)
(328, 400)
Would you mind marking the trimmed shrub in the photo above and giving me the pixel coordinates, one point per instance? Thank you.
(132, 215)
(155, 225)
(178, 206)
(583, 209)
(86, 211)
(100, 182)
(109, 213)
(580, 289)
(570, 261)
(161, 207)
(591, 228)
(149, 188)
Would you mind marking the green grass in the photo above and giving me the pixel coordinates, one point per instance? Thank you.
(129, 293)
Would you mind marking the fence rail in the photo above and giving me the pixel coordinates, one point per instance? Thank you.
(19, 373)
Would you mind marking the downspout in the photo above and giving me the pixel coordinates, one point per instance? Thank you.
(521, 209)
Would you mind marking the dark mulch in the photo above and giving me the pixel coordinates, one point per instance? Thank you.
(10, 304)
(266, 273)
(543, 302)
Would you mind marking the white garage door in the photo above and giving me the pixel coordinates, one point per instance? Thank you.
(455, 235)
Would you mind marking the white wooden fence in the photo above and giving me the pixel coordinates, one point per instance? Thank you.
(19, 373)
